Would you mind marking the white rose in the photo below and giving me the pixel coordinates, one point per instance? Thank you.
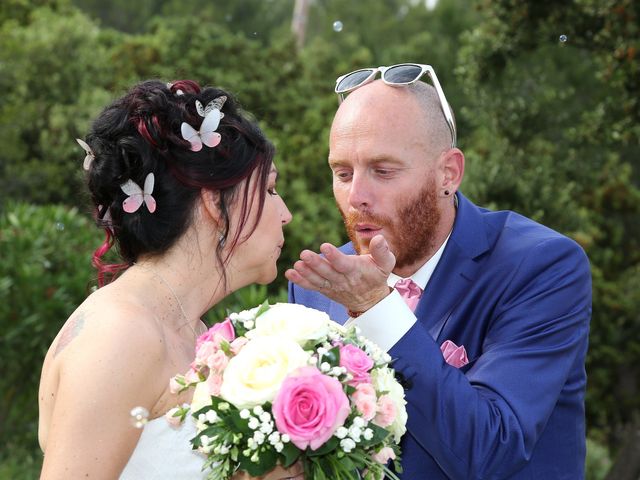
(201, 397)
(254, 375)
(296, 322)
(383, 380)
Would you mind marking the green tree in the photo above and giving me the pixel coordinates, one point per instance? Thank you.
(554, 105)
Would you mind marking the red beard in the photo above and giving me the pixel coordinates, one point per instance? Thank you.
(411, 236)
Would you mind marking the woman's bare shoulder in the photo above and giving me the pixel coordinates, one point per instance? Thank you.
(109, 323)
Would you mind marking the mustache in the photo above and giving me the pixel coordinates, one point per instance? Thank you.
(352, 219)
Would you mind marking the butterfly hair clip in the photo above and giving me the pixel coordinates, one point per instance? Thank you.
(90, 157)
(138, 196)
(207, 134)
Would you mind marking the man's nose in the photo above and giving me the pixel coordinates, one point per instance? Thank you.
(360, 192)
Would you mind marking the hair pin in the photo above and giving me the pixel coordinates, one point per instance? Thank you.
(138, 196)
(90, 157)
(207, 134)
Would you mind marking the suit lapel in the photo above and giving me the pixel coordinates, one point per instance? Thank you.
(456, 269)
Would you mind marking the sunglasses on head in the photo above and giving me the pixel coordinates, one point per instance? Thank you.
(397, 76)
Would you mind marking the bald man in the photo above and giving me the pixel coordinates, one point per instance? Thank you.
(485, 313)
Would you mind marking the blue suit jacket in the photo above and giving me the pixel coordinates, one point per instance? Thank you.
(517, 295)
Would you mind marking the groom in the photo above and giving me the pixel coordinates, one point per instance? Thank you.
(486, 313)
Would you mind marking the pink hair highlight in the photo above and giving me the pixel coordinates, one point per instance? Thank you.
(112, 269)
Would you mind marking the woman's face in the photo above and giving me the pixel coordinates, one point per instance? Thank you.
(255, 258)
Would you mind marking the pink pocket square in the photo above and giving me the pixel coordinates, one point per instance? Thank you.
(454, 355)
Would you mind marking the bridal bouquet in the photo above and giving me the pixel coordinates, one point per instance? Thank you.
(283, 383)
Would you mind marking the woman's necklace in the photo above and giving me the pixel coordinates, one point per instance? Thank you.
(184, 315)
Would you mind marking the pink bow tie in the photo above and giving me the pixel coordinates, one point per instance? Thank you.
(410, 292)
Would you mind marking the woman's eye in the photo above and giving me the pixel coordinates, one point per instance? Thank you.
(272, 191)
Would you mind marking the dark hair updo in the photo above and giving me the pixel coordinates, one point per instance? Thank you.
(139, 134)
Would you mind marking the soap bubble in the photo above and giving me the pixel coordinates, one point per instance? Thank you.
(563, 38)
(337, 26)
(139, 416)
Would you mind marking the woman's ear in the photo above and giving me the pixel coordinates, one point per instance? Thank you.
(210, 204)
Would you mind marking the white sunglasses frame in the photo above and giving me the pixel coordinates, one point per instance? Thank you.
(446, 109)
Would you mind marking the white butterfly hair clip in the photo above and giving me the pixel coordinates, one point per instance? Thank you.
(207, 134)
(90, 155)
(138, 196)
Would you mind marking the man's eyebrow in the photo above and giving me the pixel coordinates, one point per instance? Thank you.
(373, 160)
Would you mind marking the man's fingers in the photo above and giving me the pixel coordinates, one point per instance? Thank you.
(381, 254)
(340, 262)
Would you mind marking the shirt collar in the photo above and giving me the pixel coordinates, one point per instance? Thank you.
(422, 276)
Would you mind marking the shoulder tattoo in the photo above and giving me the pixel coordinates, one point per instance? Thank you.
(70, 331)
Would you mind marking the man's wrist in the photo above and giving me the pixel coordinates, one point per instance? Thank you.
(359, 311)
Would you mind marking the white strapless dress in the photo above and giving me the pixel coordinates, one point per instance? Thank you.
(164, 452)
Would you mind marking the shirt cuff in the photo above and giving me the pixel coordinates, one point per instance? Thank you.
(386, 322)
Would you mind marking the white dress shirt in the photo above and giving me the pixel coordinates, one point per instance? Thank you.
(386, 322)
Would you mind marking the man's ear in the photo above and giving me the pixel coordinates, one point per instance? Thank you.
(452, 170)
(210, 201)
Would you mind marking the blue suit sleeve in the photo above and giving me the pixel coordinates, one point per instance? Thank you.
(485, 423)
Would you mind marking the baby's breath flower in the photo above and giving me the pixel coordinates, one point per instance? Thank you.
(341, 432)
(266, 428)
(274, 438)
(204, 440)
(355, 432)
(278, 446)
(359, 422)
(347, 444)
(258, 437)
(325, 367)
(212, 416)
(254, 423)
(244, 413)
(222, 406)
(257, 410)
(265, 417)
(368, 434)
(285, 438)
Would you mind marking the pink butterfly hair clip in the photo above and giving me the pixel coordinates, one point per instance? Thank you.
(138, 196)
(207, 134)
(90, 157)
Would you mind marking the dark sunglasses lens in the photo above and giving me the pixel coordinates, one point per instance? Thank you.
(352, 80)
(402, 74)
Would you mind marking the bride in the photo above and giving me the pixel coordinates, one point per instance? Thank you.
(183, 184)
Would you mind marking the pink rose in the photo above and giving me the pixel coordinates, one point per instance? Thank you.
(218, 332)
(237, 344)
(218, 361)
(214, 382)
(386, 411)
(310, 407)
(357, 363)
(192, 376)
(174, 385)
(384, 455)
(204, 351)
(173, 419)
(454, 355)
(364, 398)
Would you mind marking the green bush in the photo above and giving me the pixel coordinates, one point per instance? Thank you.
(45, 273)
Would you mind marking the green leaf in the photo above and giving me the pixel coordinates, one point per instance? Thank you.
(329, 446)
(291, 453)
(263, 308)
(332, 357)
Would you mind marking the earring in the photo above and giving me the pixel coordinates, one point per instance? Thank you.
(221, 239)
(446, 193)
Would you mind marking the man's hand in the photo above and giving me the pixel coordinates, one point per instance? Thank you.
(356, 281)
